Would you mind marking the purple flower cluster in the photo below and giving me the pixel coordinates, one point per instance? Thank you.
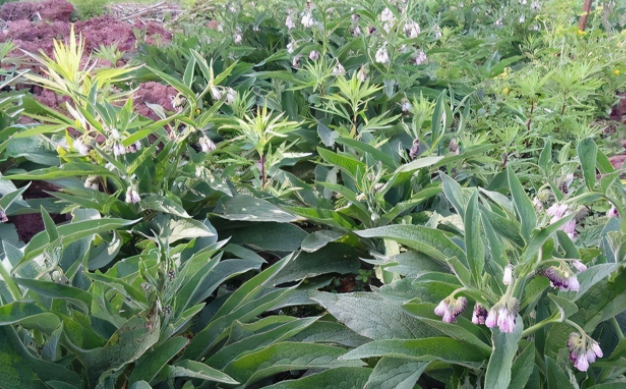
(582, 351)
(480, 314)
(450, 308)
(3, 217)
(558, 211)
(503, 317)
(562, 280)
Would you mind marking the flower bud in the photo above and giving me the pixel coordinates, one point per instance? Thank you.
(508, 275)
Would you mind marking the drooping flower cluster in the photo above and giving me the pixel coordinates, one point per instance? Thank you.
(415, 149)
(558, 211)
(480, 314)
(307, 20)
(132, 197)
(450, 308)
(206, 144)
(421, 57)
(91, 182)
(412, 30)
(388, 18)
(583, 350)
(238, 36)
(338, 70)
(503, 315)
(290, 23)
(80, 147)
(453, 146)
(562, 278)
(382, 56)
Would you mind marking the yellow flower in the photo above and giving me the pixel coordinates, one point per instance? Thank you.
(505, 90)
(581, 32)
(616, 71)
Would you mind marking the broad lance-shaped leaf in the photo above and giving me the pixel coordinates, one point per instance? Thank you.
(130, 342)
(429, 241)
(69, 233)
(193, 369)
(473, 239)
(345, 163)
(395, 373)
(58, 291)
(587, 154)
(454, 193)
(523, 205)
(72, 169)
(523, 367)
(286, 356)
(373, 315)
(149, 365)
(546, 156)
(504, 349)
(29, 316)
(250, 208)
(339, 378)
(20, 370)
(226, 354)
(243, 305)
(429, 349)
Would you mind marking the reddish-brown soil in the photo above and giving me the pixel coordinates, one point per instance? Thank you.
(153, 93)
(29, 225)
(51, 10)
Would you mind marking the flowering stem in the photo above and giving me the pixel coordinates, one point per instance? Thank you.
(531, 330)
(579, 328)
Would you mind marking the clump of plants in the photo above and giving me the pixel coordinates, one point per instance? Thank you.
(359, 195)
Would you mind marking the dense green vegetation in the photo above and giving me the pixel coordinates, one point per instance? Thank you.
(365, 194)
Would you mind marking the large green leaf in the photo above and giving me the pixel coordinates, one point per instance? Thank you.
(345, 163)
(473, 239)
(71, 169)
(248, 208)
(127, 345)
(587, 154)
(20, 370)
(429, 349)
(334, 258)
(57, 291)
(268, 236)
(286, 356)
(523, 367)
(193, 369)
(228, 353)
(395, 373)
(373, 315)
(336, 378)
(70, 233)
(149, 365)
(523, 205)
(429, 241)
(501, 361)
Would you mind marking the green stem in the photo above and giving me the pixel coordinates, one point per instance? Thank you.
(531, 330)
(616, 327)
(579, 328)
(11, 285)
